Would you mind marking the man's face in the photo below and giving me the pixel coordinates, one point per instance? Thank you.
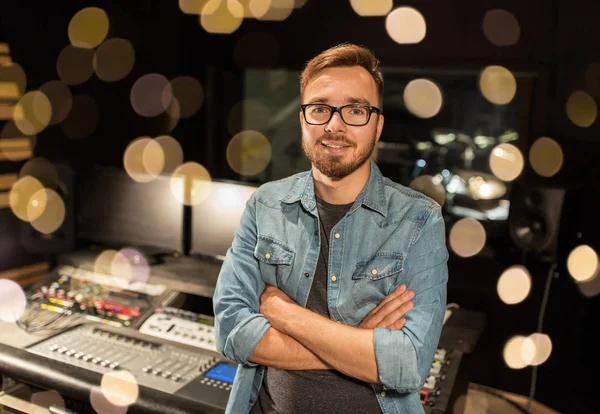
(336, 87)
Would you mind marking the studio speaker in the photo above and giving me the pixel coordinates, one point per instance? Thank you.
(534, 219)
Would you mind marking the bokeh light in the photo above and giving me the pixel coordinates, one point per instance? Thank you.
(372, 7)
(222, 16)
(431, 187)
(133, 160)
(497, 84)
(173, 114)
(88, 27)
(256, 50)
(467, 237)
(83, 117)
(543, 348)
(120, 388)
(114, 59)
(46, 211)
(592, 79)
(485, 187)
(279, 10)
(104, 261)
(259, 8)
(423, 98)
(20, 194)
(506, 162)
(248, 114)
(582, 109)
(151, 95)
(188, 93)
(75, 65)
(501, 27)
(191, 183)
(130, 265)
(583, 264)
(13, 73)
(514, 285)
(162, 155)
(15, 145)
(546, 157)
(12, 301)
(41, 169)
(33, 113)
(46, 399)
(519, 352)
(192, 6)
(61, 100)
(248, 153)
(406, 25)
(102, 405)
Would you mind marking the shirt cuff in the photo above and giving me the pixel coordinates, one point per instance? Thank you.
(243, 340)
(396, 361)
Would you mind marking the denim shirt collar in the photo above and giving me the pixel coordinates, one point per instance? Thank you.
(372, 195)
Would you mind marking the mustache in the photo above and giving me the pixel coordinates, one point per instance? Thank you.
(331, 137)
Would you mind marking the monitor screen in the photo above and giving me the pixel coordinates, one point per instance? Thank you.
(215, 220)
(116, 211)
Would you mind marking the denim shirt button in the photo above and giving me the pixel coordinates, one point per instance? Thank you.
(251, 401)
(337, 235)
(382, 393)
(306, 274)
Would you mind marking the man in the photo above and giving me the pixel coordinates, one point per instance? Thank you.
(311, 296)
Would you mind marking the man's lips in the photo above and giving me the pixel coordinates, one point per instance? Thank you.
(335, 144)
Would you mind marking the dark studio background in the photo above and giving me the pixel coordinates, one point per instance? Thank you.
(559, 38)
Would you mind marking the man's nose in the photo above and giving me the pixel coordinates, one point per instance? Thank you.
(335, 124)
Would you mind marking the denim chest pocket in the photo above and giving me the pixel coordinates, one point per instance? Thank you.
(374, 278)
(276, 259)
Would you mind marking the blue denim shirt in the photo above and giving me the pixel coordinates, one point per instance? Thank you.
(391, 235)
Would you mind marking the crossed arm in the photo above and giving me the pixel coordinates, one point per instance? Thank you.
(300, 339)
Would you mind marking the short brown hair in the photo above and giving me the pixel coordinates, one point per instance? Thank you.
(345, 54)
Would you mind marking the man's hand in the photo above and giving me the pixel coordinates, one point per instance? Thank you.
(276, 306)
(389, 311)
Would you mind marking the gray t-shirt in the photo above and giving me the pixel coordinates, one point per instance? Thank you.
(324, 391)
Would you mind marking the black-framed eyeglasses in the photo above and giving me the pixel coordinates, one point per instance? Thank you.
(352, 114)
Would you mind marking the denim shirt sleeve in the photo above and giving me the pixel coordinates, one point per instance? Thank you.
(404, 357)
(239, 325)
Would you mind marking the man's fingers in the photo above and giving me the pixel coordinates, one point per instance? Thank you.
(395, 293)
(399, 324)
(397, 314)
(396, 302)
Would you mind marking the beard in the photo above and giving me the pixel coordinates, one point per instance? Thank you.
(336, 167)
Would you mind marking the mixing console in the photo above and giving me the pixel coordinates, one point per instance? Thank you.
(100, 298)
(181, 326)
(202, 375)
(439, 387)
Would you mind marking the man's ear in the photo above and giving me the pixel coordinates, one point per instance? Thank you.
(380, 122)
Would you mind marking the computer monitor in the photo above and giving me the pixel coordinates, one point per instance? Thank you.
(215, 220)
(115, 211)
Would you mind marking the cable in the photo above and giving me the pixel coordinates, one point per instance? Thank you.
(540, 326)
